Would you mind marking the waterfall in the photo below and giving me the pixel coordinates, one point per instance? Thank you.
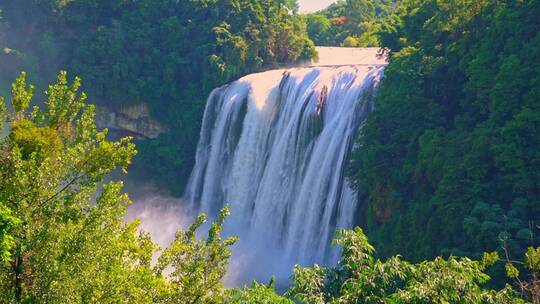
(275, 145)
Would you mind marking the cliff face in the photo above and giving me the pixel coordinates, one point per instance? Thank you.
(132, 120)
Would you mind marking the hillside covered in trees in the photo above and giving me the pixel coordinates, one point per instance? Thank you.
(168, 54)
(449, 161)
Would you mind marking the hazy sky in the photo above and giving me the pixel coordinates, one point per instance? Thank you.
(314, 5)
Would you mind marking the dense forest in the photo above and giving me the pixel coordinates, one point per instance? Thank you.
(449, 161)
(169, 54)
(351, 23)
(447, 165)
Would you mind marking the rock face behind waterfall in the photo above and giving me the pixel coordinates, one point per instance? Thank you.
(274, 145)
(132, 120)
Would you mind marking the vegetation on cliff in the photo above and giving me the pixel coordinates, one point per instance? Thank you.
(351, 23)
(169, 54)
(449, 161)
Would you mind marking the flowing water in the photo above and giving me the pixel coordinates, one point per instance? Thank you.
(275, 145)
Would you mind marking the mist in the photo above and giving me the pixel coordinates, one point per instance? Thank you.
(162, 216)
(251, 260)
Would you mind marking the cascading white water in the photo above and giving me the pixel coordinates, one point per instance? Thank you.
(274, 145)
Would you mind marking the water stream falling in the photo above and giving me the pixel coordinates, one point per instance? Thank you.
(274, 145)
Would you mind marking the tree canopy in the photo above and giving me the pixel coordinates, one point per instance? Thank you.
(350, 23)
(168, 54)
(64, 238)
(449, 160)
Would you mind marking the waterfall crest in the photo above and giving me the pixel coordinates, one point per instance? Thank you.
(274, 145)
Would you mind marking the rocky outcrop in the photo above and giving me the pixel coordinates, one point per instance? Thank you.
(132, 120)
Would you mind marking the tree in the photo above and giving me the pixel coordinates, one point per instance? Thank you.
(67, 237)
(7, 220)
(7, 223)
(351, 23)
(256, 293)
(318, 26)
(67, 246)
(359, 277)
(450, 152)
(124, 63)
(194, 267)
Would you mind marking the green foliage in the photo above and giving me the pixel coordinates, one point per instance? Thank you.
(448, 161)
(7, 220)
(63, 238)
(362, 278)
(533, 259)
(350, 42)
(21, 96)
(167, 53)
(7, 223)
(511, 271)
(31, 141)
(194, 266)
(350, 23)
(51, 164)
(256, 293)
(3, 113)
(449, 154)
(531, 285)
